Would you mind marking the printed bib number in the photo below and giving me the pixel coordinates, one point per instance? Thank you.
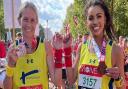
(89, 81)
(32, 87)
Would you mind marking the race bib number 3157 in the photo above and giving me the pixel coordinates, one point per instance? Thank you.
(89, 78)
(90, 81)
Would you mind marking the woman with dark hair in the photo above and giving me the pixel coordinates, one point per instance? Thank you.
(99, 61)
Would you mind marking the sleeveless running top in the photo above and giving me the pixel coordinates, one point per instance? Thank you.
(31, 70)
(88, 77)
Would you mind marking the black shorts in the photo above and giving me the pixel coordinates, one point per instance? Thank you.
(64, 75)
(126, 68)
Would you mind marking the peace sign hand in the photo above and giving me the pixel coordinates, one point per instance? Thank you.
(67, 40)
(57, 41)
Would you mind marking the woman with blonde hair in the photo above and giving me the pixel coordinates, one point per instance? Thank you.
(30, 62)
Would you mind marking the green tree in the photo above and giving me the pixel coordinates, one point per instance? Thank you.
(118, 10)
(2, 30)
(76, 10)
(41, 33)
(120, 14)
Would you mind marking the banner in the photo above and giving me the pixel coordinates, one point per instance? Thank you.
(8, 12)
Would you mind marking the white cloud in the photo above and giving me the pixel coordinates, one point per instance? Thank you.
(52, 10)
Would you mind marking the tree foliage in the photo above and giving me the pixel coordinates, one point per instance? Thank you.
(2, 30)
(120, 17)
(76, 9)
(118, 10)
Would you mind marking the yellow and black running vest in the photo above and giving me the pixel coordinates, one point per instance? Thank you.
(88, 77)
(31, 70)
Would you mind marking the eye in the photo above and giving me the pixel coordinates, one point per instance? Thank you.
(33, 20)
(99, 16)
(25, 19)
(90, 18)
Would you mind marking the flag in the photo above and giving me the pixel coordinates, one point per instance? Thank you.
(8, 9)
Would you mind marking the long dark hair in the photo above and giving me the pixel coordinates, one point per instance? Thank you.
(109, 24)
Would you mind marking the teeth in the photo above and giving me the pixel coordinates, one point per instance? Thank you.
(28, 30)
(96, 28)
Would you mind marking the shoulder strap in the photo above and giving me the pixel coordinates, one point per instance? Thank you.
(110, 42)
(40, 39)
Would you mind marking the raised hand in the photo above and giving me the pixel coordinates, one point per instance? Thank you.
(12, 56)
(57, 41)
(67, 40)
(14, 53)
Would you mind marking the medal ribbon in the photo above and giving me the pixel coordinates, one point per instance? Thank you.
(100, 54)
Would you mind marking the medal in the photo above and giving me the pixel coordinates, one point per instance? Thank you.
(102, 68)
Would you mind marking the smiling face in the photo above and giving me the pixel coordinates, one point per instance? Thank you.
(28, 22)
(96, 20)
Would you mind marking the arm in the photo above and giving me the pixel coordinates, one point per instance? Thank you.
(118, 61)
(76, 63)
(8, 82)
(50, 61)
(12, 57)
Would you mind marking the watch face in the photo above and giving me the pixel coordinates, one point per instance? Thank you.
(102, 68)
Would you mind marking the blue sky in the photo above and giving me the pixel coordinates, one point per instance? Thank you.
(52, 10)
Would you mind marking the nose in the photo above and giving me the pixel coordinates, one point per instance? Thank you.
(28, 23)
(95, 21)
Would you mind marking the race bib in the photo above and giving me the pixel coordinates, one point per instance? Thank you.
(90, 82)
(32, 87)
(89, 78)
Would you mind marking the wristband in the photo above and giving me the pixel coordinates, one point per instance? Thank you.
(68, 61)
(58, 58)
(68, 56)
(58, 53)
(9, 71)
(67, 51)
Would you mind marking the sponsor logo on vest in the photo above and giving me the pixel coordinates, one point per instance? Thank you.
(89, 70)
(24, 75)
(93, 61)
(29, 61)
